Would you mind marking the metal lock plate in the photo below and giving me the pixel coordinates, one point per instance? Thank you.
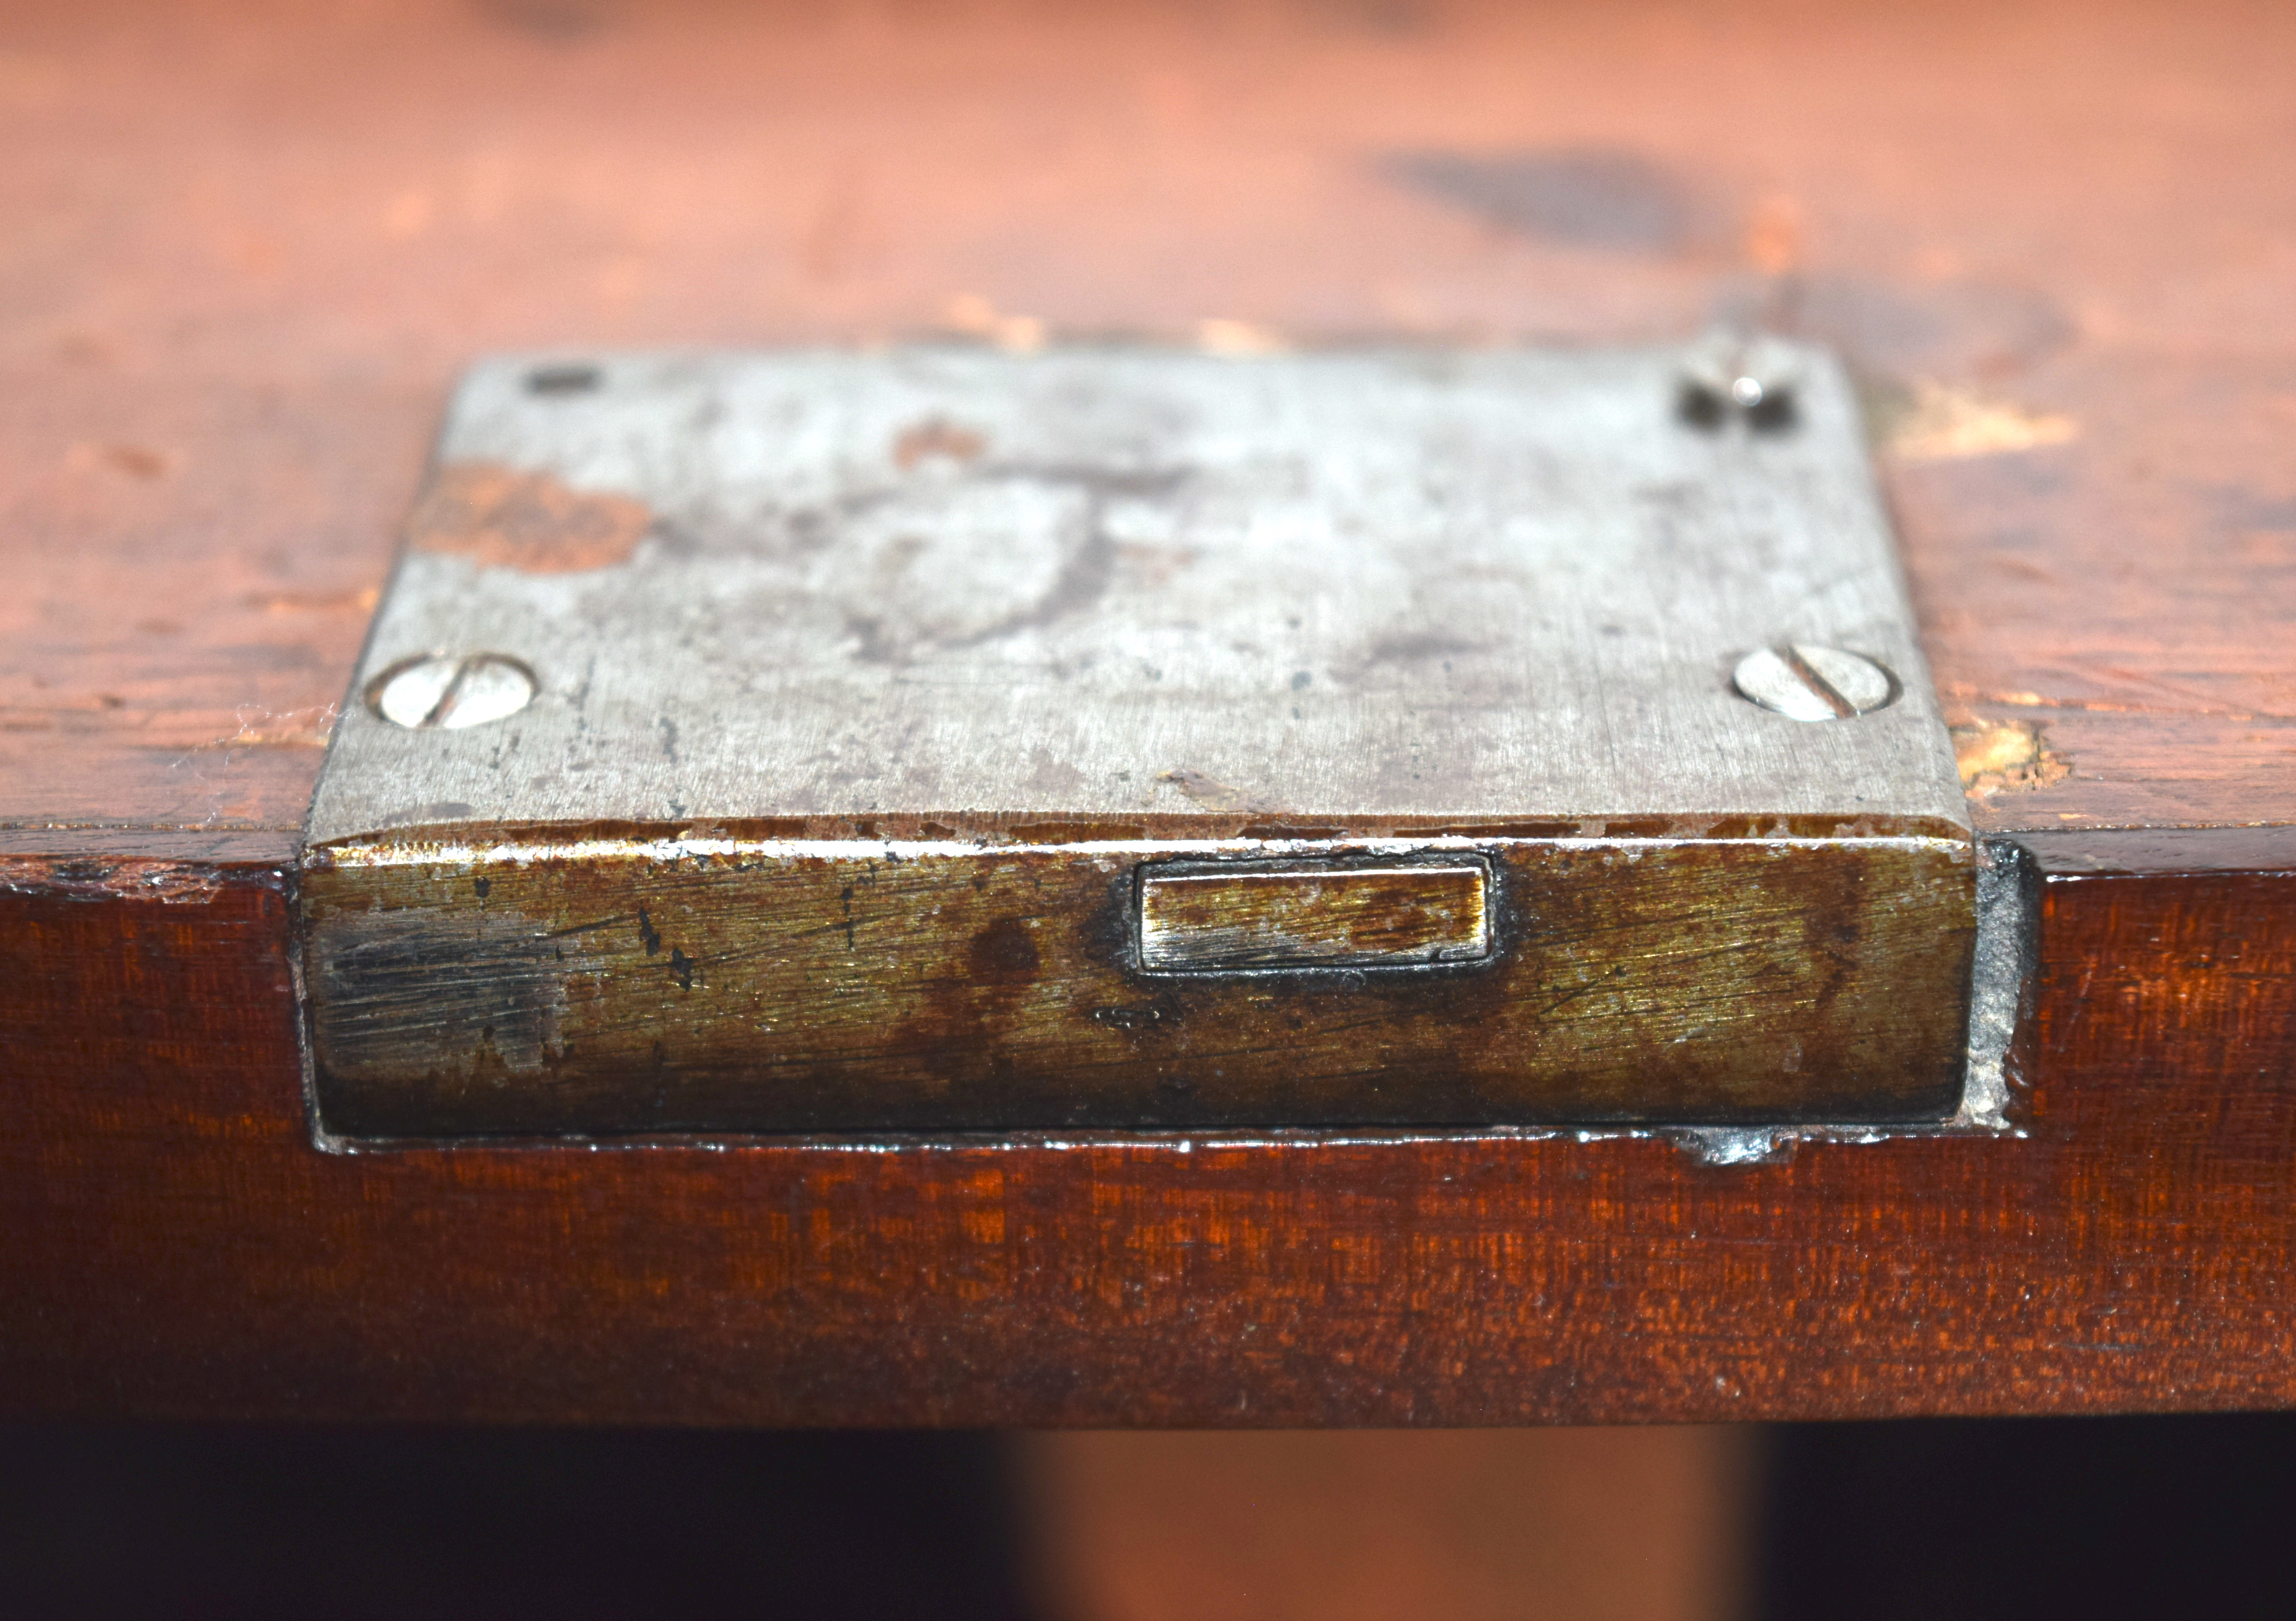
(942, 739)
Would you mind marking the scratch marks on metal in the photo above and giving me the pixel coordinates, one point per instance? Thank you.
(471, 995)
(1102, 583)
(1210, 792)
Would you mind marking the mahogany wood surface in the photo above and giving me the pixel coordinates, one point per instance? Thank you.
(177, 1247)
(247, 249)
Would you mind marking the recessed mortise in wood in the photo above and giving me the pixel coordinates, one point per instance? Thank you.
(1199, 920)
(942, 740)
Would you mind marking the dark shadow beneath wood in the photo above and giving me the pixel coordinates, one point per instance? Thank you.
(2021, 1517)
(105, 1521)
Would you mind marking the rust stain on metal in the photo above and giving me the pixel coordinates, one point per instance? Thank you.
(937, 436)
(476, 995)
(1210, 792)
(1202, 921)
(629, 987)
(500, 517)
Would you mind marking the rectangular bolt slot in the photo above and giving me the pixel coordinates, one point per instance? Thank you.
(1197, 921)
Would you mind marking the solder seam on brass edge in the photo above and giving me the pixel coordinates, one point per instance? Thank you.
(1035, 833)
(1711, 1145)
(524, 854)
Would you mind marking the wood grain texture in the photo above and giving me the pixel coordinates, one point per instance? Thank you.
(259, 242)
(268, 237)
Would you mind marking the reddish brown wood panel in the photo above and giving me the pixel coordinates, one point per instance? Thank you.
(176, 1245)
(256, 242)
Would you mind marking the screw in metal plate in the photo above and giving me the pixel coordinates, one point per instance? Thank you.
(1728, 373)
(565, 377)
(444, 692)
(1803, 681)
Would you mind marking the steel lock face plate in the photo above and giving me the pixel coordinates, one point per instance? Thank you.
(941, 739)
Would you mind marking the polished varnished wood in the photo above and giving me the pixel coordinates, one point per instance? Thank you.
(253, 249)
(176, 1245)
(260, 245)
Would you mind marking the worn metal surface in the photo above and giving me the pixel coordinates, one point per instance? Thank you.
(696, 985)
(1118, 585)
(888, 710)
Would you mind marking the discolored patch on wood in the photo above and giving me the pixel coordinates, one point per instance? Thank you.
(1579, 197)
(1935, 422)
(107, 878)
(501, 518)
(1198, 919)
(2012, 755)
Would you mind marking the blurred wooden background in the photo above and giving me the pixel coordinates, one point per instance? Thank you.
(1651, 1524)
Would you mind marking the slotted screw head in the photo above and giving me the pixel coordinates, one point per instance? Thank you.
(1804, 681)
(448, 692)
(1754, 377)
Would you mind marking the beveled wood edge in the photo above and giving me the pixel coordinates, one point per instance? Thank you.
(2074, 852)
(89, 848)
